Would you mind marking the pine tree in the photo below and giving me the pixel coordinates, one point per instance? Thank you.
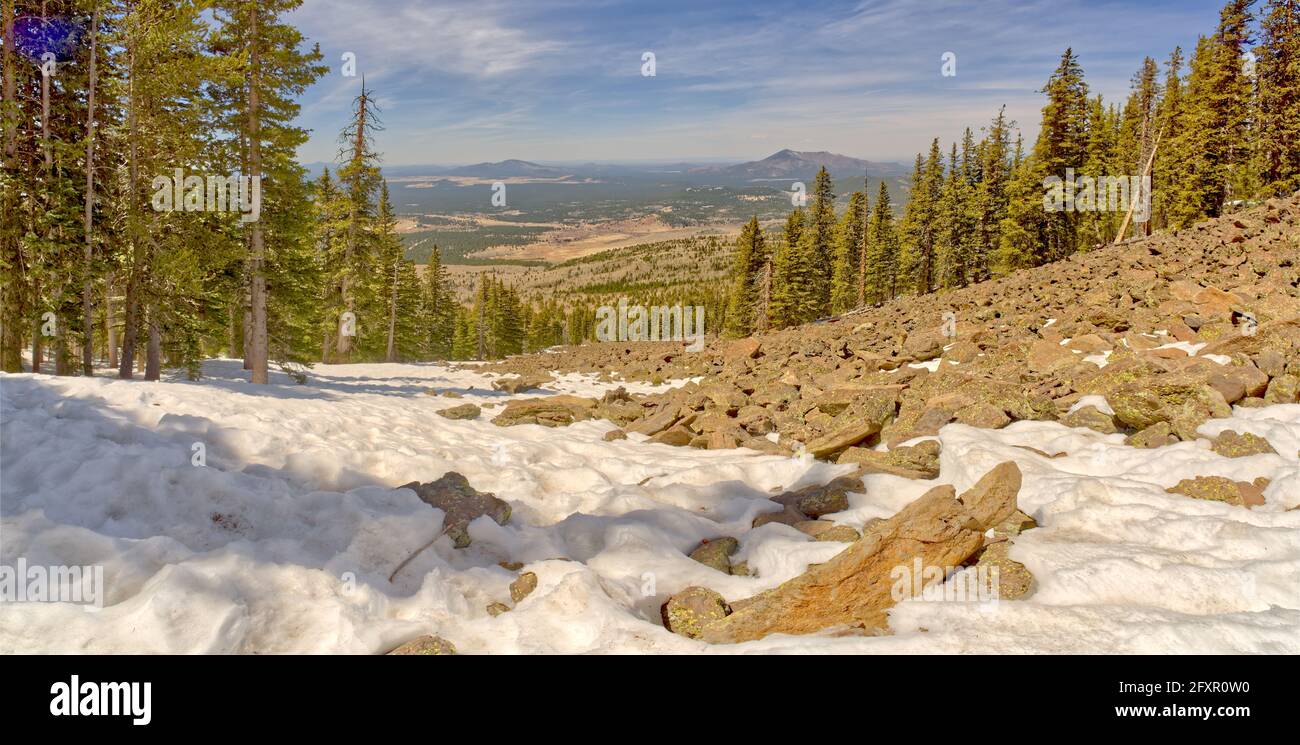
(848, 254)
(795, 276)
(439, 308)
(1061, 148)
(1170, 164)
(359, 182)
(821, 235)
(990, 199)
(920, 224)
(749, 259)
(1138, 126)
(1277, 129)
(1022, 230)
(953, 232)
(882, 250)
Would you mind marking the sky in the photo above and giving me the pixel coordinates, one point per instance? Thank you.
(562, 80)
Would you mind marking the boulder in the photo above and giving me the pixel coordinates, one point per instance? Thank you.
(1092, 418)
(919, 461)
(689, 611)
(1221, 489)
(427, 644)
(523, 586)
(461, 503)
(856, 587)
(1230, 444)
(714, 553)
(817, 500)
(548, 411)
(521, 383)
(464, 411)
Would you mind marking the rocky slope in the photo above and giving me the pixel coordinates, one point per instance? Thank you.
(1150, 338)
(1169, 330)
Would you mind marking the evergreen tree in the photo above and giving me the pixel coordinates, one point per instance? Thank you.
(821, 235)
(1061, 148)
(439, 308)
(990, 199)
(1277, 129)
(750, 258)
(795, 276)
(848, 254)
(882, 249)
(921, 223)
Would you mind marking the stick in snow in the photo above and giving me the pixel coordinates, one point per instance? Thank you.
(418, 551)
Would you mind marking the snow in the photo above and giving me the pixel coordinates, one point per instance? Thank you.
(284, 541)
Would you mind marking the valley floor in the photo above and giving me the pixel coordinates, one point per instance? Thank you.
(284, 540)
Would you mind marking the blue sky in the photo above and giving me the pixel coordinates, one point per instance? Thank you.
(544, 80)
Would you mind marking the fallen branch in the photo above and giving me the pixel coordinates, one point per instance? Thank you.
(418, 551)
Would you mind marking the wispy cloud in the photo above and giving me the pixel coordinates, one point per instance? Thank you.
(560, 79)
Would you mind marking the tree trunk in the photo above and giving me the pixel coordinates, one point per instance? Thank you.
(38, 346)
(391, 354)
(257, 356)
(87, 322)
(11, 323)
(110, 321)
(131, 326)
(153, 353)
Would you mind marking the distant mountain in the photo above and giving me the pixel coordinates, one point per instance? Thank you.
(793, 163)
(508, 169)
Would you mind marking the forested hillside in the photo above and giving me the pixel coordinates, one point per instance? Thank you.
(119, 117)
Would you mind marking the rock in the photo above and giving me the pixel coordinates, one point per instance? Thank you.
(689, 611)
(1232, 389)
(924, 345)
(464, 411)
(677, 436)
(748, 348)
(1229, 444)
(1185, 404)
(825, 530)
(1006, 578)
(788, 516)
(1092, 418)
(496, 609)
(548, 411)
(856, 587)
(983, 415)
(1047, 356)
(816, 501)
(1220, 489)
(462, 504)
(1270, 362)
(1155, 436)
(919, 461)
(521, 383)
(1284, 389)
(714, 553)
(523, 586)
(663, 419)
(1013, 526)
(987, 501)
(427, 644)
(865, 417)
